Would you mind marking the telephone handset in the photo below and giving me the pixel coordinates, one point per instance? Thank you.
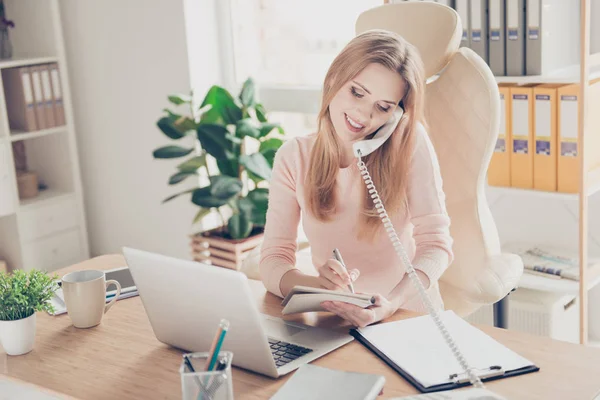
(365, 147)
(362, 149)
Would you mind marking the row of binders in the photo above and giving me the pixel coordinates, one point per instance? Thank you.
(33, 97)
(537, 146)
(520, 37)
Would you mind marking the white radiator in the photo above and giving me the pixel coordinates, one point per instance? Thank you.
(541, 313)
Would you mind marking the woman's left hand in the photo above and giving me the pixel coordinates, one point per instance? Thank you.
(362, 317)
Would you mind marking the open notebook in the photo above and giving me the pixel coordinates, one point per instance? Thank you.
(304, 299)
(417, 350)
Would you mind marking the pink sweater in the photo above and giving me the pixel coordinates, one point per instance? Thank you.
(424, 233)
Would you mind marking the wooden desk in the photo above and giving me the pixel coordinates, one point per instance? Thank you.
(122, 359)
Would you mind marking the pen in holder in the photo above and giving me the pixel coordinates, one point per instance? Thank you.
(199, 384)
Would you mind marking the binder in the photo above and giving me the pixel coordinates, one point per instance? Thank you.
(416, 350)
(48, 97)
(499, 169)
(568, 128)
(38, 97)
(497, 37)
(545, 156)
(479, 28)
(515, 37)
(552, 35)
(569, 162)
(462, 8)
(533, 43)
(19, 99)
(59, 110)
(521, 107)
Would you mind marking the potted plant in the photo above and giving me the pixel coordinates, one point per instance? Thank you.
(230, 146)
(22, 294)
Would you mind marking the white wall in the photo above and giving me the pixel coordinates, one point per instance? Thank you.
(124, 58)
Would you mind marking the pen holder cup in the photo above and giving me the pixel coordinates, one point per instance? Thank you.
(206, 385)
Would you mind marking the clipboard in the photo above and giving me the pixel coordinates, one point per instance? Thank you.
(455, 380)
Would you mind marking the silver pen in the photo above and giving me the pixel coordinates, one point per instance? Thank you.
(338, 256)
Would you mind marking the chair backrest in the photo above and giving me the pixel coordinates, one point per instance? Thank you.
(432, 28)
(463, 117)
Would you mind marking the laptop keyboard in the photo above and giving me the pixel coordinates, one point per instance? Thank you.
(284, 352)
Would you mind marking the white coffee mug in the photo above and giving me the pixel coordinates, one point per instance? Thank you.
(85, 296)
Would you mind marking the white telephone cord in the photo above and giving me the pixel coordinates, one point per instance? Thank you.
(387, 223)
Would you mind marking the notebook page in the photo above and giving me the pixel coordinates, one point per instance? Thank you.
(417, 346)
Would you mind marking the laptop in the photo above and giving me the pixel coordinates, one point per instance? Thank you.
(186, 300)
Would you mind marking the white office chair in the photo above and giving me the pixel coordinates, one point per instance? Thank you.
(463, 117)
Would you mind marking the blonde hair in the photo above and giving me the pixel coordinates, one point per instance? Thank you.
(389, 164)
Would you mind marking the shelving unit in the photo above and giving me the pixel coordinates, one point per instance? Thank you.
(567, 286)
(593, 189)
(45, 197)
(20, 61)
(566, 75)
(587, 70)
(16, 135)
(49, 230)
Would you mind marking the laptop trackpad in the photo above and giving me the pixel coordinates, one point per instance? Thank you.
(279, 329)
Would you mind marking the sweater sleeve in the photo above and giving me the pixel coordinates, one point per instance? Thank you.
(278, 250)
(426, 202)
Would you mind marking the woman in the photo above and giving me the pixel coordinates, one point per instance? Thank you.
(316, 178)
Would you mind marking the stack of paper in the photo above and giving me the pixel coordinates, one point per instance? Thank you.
(549, 260)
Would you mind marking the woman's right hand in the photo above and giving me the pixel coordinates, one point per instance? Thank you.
(333, 276)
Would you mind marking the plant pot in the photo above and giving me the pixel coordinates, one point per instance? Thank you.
(211, 247)
(17, 337)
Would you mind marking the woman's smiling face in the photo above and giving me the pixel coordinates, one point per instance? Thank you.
(366, 102)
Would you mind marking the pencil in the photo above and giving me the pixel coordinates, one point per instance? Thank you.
(216, 345)
(338, 256)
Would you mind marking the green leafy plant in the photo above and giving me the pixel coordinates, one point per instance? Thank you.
(23, 293)
(236, 134)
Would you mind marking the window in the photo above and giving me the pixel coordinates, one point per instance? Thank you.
(295, 123)
(286, 46)
(291, 42)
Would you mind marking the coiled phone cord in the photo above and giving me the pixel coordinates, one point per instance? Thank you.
(387, 223)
